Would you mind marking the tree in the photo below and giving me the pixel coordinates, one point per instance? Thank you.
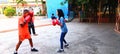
(43, 12)
(76, 2)
(21, 2)
(36, 2)
(97, 9)
(76, 6)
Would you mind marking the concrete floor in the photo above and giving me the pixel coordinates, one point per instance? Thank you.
(84, 38)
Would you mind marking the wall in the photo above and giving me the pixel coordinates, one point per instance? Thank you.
(53, 5)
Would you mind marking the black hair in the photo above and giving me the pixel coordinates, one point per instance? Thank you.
(25, 11)
(52, 14)
(60, 13)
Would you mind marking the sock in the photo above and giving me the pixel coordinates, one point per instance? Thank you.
(31, 47)
(66, 44)
(61, 49)
(15, 51)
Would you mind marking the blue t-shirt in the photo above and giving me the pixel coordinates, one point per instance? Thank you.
(63, 27)
(53, 17)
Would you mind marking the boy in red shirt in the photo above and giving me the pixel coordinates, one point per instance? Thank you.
(31, 23)
(23, 31)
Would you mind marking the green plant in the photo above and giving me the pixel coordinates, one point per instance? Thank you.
(19, 13)
(9, 11)
(21, 2)
(76, 2)
(38, 13)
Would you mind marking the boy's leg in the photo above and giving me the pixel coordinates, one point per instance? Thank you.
(17, 47)
(31, 44)
(29, 29)
(33, 29)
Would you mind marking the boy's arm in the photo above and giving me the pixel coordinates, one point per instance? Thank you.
(22, 23)
(27, 19)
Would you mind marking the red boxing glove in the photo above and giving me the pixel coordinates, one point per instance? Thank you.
(27, 18)
(57, 22)
(53, 22)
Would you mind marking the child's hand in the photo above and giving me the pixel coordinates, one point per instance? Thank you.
(60, 24)
(22, 25)
(27, 18)
(53, 22)
(65, 20)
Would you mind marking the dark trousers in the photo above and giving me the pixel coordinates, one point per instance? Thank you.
(31, 26)
(62, 39)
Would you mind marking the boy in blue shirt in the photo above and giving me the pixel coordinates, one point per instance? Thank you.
(54, 20)
(53, 17)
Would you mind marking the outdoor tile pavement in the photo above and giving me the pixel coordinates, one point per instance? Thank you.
(84, 38)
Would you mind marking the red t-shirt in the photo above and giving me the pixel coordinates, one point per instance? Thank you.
(31, 13)
(23, 31)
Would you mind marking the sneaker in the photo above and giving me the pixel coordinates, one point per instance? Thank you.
(34, 50)
(35, 34)
(60, 51)
(66, 45)
(15, 53)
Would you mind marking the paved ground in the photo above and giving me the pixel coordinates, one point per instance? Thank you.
(11, 24)
(84, 38)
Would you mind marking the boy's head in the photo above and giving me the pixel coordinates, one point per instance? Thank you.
(26, 12)
(52, 14)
